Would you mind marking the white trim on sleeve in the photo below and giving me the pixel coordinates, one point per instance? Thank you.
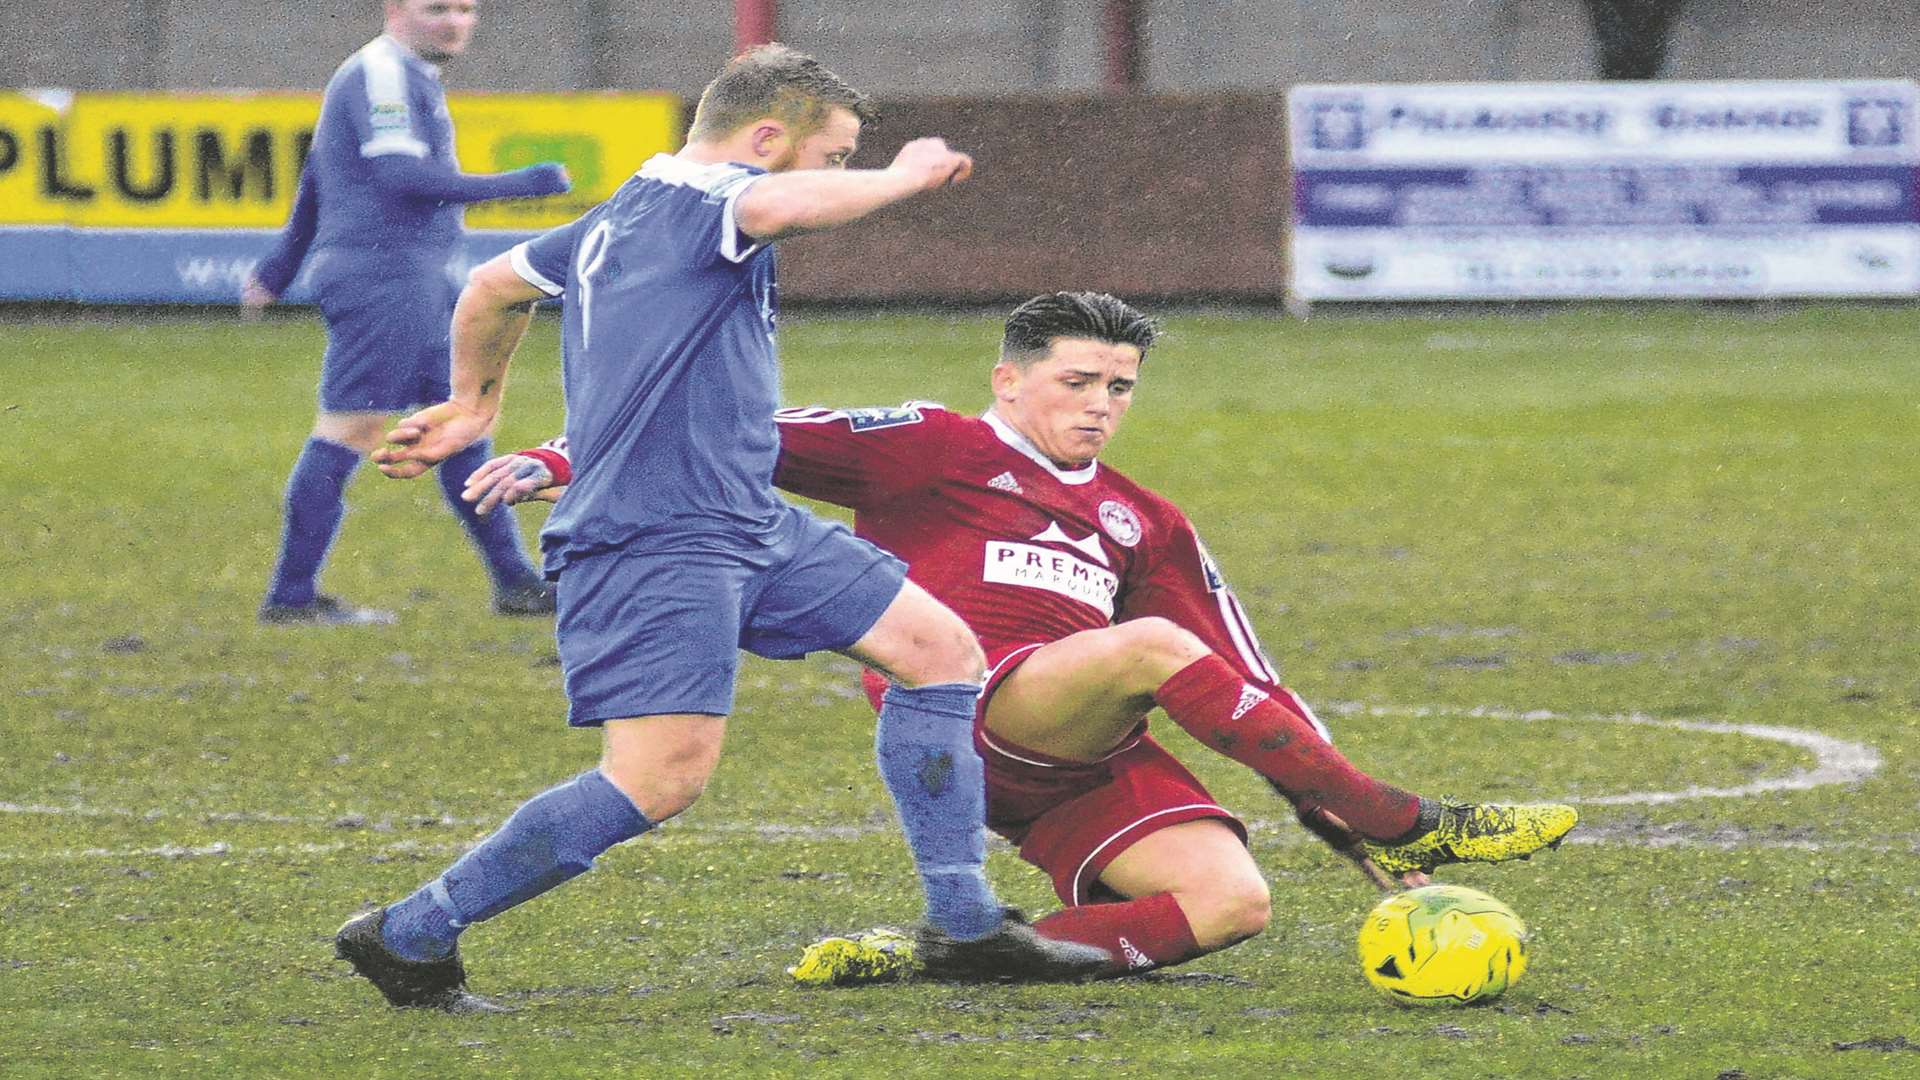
(730, 229)
(383, 67)
(517, 258)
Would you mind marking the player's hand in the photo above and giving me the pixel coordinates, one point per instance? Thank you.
(508, 479)
(931, 164)
(254, 298)
(548, 178)
(428, 438)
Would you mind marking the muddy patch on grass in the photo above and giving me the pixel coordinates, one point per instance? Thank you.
(1881, 1043)
(1596, 657)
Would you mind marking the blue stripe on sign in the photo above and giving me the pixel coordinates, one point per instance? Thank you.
(1617, 196)
(35, 263)
(156, 266)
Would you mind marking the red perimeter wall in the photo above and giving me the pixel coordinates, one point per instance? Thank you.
(1137, 196)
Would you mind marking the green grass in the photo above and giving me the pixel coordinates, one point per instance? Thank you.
(1688, 514)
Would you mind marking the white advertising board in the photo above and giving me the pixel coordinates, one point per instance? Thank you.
(1526, 190)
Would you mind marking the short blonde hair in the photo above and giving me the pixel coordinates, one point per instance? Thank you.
(774, 80)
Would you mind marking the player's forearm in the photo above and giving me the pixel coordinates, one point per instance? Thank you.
(489, 320)
(429, 179)
(487, 328)
(814, 199)
(277, 269)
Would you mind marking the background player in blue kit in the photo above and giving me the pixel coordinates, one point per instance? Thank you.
(378, 221)
(672, 550)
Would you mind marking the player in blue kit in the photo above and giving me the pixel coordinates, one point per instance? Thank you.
(672, 550)
(377, 222)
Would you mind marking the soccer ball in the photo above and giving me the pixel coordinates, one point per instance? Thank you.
(1442, 945)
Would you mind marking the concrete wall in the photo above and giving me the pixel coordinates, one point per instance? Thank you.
(935, 48)
(1142, 197)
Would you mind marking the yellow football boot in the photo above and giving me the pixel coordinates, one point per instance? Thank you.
(1476, 832)
(880, 955)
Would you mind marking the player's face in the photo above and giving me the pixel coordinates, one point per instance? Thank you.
(1069, 403)
(435, 29)
(826, 147)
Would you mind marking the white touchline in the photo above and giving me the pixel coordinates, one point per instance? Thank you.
(1837, 761)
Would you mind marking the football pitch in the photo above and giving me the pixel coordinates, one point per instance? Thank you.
(1660, 562)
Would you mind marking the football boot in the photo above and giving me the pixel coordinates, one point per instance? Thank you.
(1455, 832)
(1013, 952)
(878, 955)
(409, 984)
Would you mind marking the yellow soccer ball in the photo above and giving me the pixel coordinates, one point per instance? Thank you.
(1442, 945)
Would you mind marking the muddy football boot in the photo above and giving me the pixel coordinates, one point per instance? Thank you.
(409, 984)
(1456, 832)
(324, 611)
(1013, 952)
(876, 956)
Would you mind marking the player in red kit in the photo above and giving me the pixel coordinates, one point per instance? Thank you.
(1095, 601)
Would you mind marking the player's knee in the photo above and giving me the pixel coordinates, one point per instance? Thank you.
(665, 778)
(1160, 645)
(363, 432)
(1232, 911)
(950, 653)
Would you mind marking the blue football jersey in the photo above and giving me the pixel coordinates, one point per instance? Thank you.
(669, 368)
(383, 100)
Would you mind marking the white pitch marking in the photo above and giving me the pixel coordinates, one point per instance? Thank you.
(1837, 761)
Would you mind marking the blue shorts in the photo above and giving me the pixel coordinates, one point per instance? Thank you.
(656, 627)
(387, 319)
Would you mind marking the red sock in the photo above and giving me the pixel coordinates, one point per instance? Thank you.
(1218, 707)
(1146, 933)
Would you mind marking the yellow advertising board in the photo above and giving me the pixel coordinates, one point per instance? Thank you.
(602, 139)
(29, 124)
(232, 161)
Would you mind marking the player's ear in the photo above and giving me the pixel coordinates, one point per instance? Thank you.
(771, 138)
(1006, 380)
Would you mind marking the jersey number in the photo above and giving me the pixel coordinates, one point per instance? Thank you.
(593, 255)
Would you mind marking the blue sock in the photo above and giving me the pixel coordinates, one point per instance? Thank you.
(495, 534)
(925, 746)
(552, 838)
(315, 503)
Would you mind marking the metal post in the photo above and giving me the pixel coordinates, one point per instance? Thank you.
(596, 30)
(150, 37)
(755, 22)
(1120, 40)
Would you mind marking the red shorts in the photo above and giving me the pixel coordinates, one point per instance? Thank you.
(1071, 819)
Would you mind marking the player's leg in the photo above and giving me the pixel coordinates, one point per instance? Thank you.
(648, 647)
(1078, 697)
(1075, 821)
(517, 585)
(840, 593)
(1186, 890)
(924, 745)
(651, 768)
(358, 389)
(315, 503)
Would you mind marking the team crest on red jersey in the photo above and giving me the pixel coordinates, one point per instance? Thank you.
(1120, 522)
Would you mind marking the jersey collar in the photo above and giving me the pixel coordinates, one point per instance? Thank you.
(1082, 475)
(409, 56)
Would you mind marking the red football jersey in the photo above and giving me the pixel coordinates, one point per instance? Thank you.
(1023, 550)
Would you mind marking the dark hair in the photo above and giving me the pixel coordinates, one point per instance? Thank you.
(1035, 325)
(774, 80)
